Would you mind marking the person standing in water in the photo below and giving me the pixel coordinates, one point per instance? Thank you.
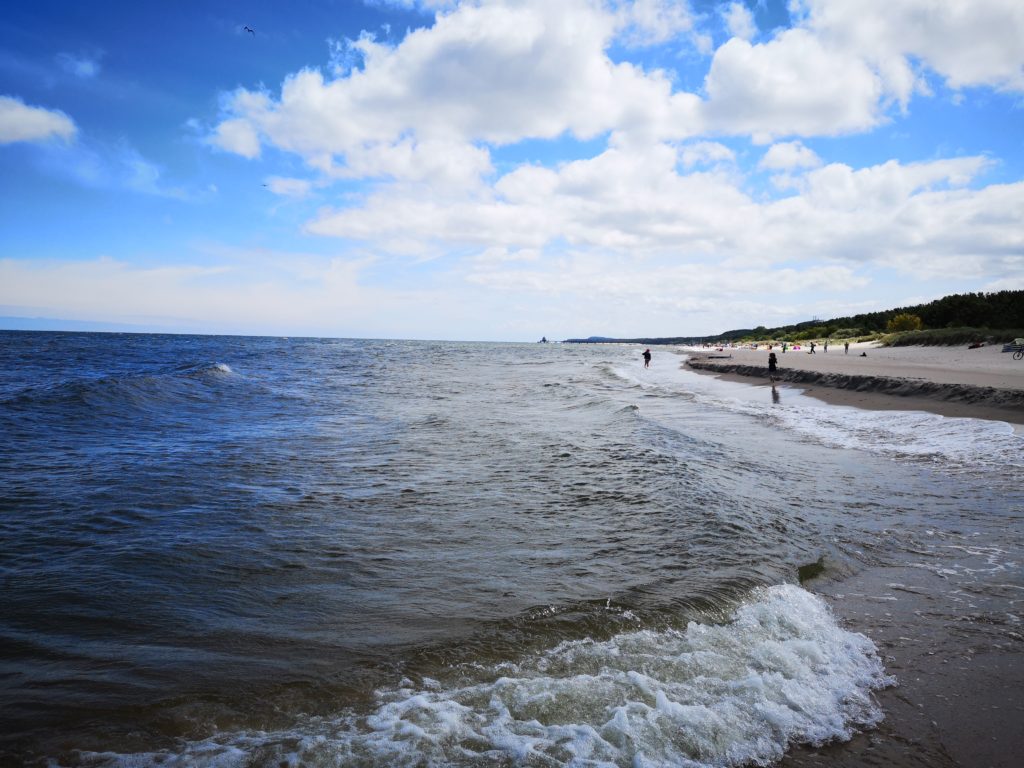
(647, 358)
(773, 364)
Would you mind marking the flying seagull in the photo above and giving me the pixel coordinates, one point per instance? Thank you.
(250, 30)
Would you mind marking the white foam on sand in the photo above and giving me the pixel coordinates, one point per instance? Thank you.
(780, 671)
(954, 443)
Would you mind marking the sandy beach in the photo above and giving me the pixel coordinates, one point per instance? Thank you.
(959, 698)
(953, 381)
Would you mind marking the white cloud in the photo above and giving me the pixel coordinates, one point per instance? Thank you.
(20, 122)
(649, 22)
(289, 187)
(968, 42)
(636, 208)
(705, 153)
(495, 72)
(845, 62)
(238, 136)
(788, 156)
(498, 72)
(740, 21)
(791, 85)
(657, 214)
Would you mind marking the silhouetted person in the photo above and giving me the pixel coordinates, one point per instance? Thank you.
(647, 358)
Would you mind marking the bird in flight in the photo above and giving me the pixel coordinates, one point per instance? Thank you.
(250, 30)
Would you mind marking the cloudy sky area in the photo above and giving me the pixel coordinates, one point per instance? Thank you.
(505, 169)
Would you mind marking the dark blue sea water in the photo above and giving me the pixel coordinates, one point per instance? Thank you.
(265, 551)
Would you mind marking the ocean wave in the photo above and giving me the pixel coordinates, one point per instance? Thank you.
(955, 444)
(781, 671)
(137, 389)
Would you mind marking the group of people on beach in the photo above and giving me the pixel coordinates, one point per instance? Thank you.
(773, 361)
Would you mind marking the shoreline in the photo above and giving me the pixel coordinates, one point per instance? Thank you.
(952, 646)
(906, 378)
(956, 702)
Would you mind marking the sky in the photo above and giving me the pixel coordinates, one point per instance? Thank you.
(504, 169)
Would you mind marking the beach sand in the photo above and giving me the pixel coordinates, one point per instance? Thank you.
(983, 383)
(959, 701)
(960, 698)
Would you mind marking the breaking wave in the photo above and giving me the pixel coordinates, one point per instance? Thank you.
(781, 671)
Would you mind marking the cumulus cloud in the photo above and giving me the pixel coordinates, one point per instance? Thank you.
(967, 42)
(498, 72)
(20, 122)
(788, 156)
(705, 153)
(492, 73)
(649, 22)
(238, 136)
(638, 212)
(845, 62)
(659, 198)
(740, 21)
(791, 85)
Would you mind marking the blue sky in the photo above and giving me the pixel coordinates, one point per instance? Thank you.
(505, 169)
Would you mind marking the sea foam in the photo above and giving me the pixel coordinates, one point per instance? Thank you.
(780, 671)
(956, 444)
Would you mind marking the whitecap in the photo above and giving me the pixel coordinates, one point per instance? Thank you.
(780, 671)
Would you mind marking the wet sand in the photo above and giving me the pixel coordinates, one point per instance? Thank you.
(983, 383)
(958, 656)
(959, 701)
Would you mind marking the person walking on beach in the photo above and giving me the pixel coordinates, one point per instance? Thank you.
(825, 348)
(846, 347)
(812, 349)
(647, 358)
(773, 364)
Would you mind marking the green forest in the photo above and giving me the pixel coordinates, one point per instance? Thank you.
(991, 317)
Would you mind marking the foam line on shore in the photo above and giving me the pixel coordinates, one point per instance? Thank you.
(885, 385)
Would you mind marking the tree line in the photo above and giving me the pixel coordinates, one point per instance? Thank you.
(1000, 310)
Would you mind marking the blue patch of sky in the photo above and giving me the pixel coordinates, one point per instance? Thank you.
(546, 152)
(142, 84)
(166, 62)
(937, 127)
(769, 16)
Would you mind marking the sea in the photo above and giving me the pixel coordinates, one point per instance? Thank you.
(234, 551)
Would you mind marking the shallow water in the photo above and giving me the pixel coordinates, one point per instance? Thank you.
(224, 550)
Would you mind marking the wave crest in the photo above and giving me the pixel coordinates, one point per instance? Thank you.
(780, 672)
